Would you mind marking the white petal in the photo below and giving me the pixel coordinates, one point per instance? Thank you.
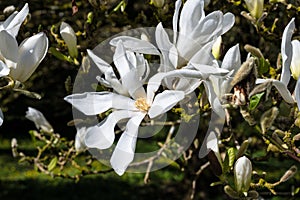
(101, 64)
(39, 120)
(204, 55)
(214, 100)
(31, 53)
(286, 51)
(8, 49)
(124, 152)
(232, 59)
(284, 92)
(297, 93)
(228, 22)
(121, 61)
(1, 117)
(136, 45)
(175, 20)
(93, 103)
(12, 24)
(134, 85)
(164, 101)
(295, 62)
(190, 16)
(102, 135)
(4, 70)
(143, 69)
(79, 139)
(210, 142)
(69, 36)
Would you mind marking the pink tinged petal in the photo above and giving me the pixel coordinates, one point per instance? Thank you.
(31, 53)
(191, 14)
(297, 93)
(232, 59)
(175, 20)
(136, 45)
(4, 70)
(1, 117)
(286, 51)
(164, 101)
(69, 36)
(124, 152)
(295, 62)
(13, 23)
(93, 103)
(8, 49)
(102, 135)
(228, 22)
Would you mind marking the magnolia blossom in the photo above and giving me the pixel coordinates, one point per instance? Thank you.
(290, 51)
(79, 139)
(14, 21)
(255, 7)
(24, 59)
(129, 100)
(38, 119)
(69, 36)
(242, 174)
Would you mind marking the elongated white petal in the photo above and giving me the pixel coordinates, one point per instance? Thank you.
(297, 93)
(121, 61)
(69, 36)
(213, 99)
(295, 62)
(101, 64)
(286, 51)
(8, 49)
(134, 85)
(31, 53)
(136, 45)
(124, 152)
(93, 103)
(142, 67)
(79, 139)
(102, 135)
(203, 56)
(13, 23)
(164, 101)
(284, 92)
(175, 20)
(232, 59)
(4, 70)
(228, 22)
(190, 16)
(1, 117)
(210, 142)
(38, 119)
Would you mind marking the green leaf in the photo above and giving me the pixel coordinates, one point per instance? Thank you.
(60, 55)
(231, 156)
(254, 100)
(264, 66)
(52, 164)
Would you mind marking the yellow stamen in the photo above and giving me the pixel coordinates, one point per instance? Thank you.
(141, 104)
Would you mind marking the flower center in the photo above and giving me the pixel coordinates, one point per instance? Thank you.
(141, 104)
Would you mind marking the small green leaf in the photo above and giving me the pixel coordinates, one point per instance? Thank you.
(60, 55)
(52, 164)
(254, 100)
(264, 66)
(231, 156)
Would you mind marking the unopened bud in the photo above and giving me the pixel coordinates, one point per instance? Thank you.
(255, 7)
(242, 174)
(158, 3)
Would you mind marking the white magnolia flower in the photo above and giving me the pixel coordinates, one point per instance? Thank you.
(242, 174)
(290, 51)
(129, 100)
(38, 119)
(14, 21)
(255, 7)
(24, 59)
(69, 36)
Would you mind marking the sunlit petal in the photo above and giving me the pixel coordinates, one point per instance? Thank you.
(69, 36)
(297, 93)
(38, 119)
(8, 49)
(124, 152)
(164, 101)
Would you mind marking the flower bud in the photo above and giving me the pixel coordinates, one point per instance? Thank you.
(158, 3)
(38, 119)
(69, 36)
(242, 174)
(216, 48)
(255, 7)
